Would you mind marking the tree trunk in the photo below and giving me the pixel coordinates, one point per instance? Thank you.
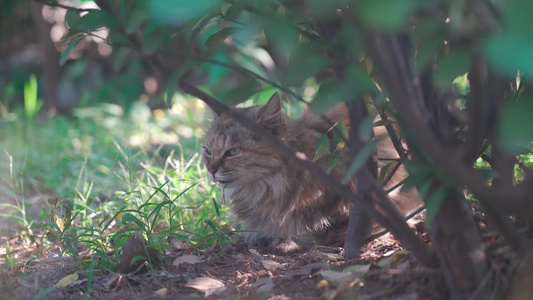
(49, 58)
(458, 245)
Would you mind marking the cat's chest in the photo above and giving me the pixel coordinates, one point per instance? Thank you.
(283, 190)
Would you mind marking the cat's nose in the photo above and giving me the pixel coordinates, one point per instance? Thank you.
(212, 171)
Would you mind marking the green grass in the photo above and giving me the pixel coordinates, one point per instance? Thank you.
(92, 180)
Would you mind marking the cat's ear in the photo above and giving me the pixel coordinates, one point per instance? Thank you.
(270, 116)
(213, 113)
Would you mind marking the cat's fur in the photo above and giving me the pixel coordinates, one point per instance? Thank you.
(279, 203)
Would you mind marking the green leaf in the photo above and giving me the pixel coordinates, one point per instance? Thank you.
(137, 258)
(516, 123)
(427, 51)
(515, 20)
(179, 12)
(383, 123)
(455, 64)
(322, 147)
(211, 224)
(417, 177)
(352, 39)
(72, 17)
(131, 218)
(332, 91)
(153, 41)
(510, 52)
(428, 35)
(71, 45)
(119, 39)
(387, 15)
(185, 190)
(434, 202)
(220, 36)
(157, 209)
(424, 187)
(361, 158)
(172, 83)
(121, 58)
(340, 135)
(97, 19)
(301, 69)
(90, 273)
(461, 86)
(217, 209)
(202, 24)
(137, 18)
(32, 104)
(383, 172)
(333, 161)
(281, 34)
(239, 95)
(234, 10)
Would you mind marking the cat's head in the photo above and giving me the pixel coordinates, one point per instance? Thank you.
(234, 154)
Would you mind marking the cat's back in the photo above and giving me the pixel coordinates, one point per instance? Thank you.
(305, 131)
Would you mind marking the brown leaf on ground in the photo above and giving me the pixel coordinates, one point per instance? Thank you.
(67, 280)
(189, 259)
(271, 265)
(207, 285)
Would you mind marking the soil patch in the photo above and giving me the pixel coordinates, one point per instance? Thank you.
(237, 271)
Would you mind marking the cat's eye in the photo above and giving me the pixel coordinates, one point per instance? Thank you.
(233, 152)
(206, 151)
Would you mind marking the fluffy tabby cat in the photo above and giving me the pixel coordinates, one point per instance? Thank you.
(280, 204)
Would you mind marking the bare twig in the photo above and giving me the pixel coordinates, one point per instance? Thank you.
(392, 133)
(395, 168)
(242, 70)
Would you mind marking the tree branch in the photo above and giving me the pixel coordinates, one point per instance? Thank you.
(445, 156)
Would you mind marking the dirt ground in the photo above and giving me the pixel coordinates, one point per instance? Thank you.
(235, 271)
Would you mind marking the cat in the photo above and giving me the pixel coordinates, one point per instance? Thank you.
(281, 205)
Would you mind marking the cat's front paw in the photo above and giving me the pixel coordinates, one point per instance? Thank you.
(276, 244)
(284, 246)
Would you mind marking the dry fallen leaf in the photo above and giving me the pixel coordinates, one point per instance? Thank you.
(393, 260)
(358, 269)
(254, 252)
(207, 285)
(322, 284)
(397, 258)
(271, 265)
(162, 292)
(306, 269)
(67, 280)
(181, 245)
(345, 286)
(190, 259)
(120, 216)
(336, 278)
(264, 284)
(325, 255)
